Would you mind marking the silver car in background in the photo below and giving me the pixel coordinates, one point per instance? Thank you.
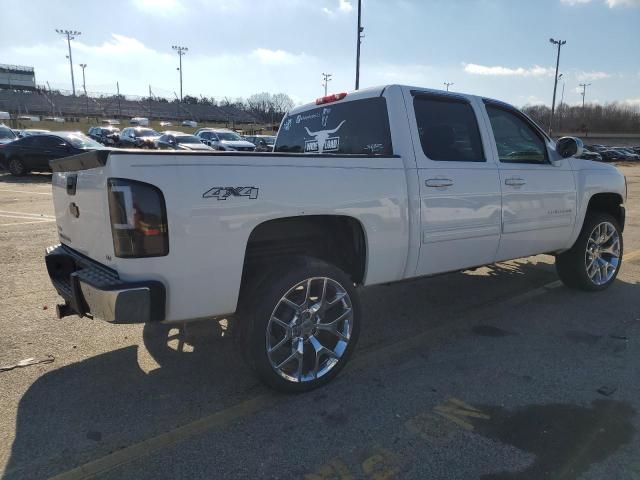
(224, 139)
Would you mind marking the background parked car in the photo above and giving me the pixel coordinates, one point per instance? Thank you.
(589, 155)
(180, 141)
(33, 152)
(108, 136)
(628, 153)
(263, 143)
(139, 121)
(189, 123)
(224, 139)
(611, 155)
(138, 137)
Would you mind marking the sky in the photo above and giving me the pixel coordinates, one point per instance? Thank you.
(496, 48)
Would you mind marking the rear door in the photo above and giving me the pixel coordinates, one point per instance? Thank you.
(459, 189)
(538, 196)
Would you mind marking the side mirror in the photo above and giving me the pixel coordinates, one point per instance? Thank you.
(569, 147)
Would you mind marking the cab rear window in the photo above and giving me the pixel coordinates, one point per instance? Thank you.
(357, 127)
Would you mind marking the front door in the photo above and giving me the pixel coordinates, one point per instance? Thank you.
(538, 196)
(459, 189)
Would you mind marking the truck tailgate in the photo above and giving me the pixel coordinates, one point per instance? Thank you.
(81, 206)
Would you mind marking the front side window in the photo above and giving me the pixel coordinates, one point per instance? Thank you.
(29, 141)
(51, 142)
(79, 140)
(516, 140)
(356, 127)
(146, 132)
(448, 129)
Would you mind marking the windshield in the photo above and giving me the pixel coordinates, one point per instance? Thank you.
(229, 136)
(268, 140)
(146, 132)
(80, 140)
(7, 133)
(187, 139)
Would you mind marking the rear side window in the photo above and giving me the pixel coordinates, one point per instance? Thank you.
(357, 127)
(448, 129)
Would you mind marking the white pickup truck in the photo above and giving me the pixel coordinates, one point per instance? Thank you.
(369, 187)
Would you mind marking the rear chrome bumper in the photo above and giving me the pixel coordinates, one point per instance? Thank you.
(93, 290)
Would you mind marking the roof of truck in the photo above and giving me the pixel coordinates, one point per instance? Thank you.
(378, 91)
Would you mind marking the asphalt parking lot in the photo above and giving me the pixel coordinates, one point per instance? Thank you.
(497, 373)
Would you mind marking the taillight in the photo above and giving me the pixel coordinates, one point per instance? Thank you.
(138, 219)
(330, 98)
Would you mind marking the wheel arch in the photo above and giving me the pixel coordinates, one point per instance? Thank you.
(608, 202)
(337, 239)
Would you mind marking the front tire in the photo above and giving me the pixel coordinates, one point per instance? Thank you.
(16, 167)
(593, 263)
(299, 324)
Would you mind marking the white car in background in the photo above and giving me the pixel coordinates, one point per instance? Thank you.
(189, 123)
(224, 139)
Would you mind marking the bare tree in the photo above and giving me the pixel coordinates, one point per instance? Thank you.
(608, 118)
(268, 107)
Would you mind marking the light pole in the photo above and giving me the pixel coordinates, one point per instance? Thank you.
(560, 107)
(326, 78)
(84, 87)
(360, 36)
(584, 93)
(84, 84)
(71, 35)
(560, 43)
(181, 51)
(448, 84)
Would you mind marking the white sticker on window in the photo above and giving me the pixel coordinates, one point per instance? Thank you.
(323, 141)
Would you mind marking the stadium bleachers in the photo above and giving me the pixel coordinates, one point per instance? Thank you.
(44, 103)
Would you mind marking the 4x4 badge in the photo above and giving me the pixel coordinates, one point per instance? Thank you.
(222, 193)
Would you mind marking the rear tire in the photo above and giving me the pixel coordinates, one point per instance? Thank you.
(16, 167)
(299, 324)
(593, 263)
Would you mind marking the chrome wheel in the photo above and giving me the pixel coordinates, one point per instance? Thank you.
(309, 330)
(603, 253)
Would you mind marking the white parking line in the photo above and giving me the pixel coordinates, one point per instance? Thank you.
(24, 191)
(24, 223)
(9, 213)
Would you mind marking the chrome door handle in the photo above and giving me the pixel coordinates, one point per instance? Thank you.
(515, 182)
(438, 182)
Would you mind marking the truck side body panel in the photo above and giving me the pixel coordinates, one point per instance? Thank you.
(208, 234)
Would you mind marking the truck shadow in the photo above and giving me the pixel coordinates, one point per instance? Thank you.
(31, 178)
(104, 403)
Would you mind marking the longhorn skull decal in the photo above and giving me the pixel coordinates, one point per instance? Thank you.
(322, 140)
